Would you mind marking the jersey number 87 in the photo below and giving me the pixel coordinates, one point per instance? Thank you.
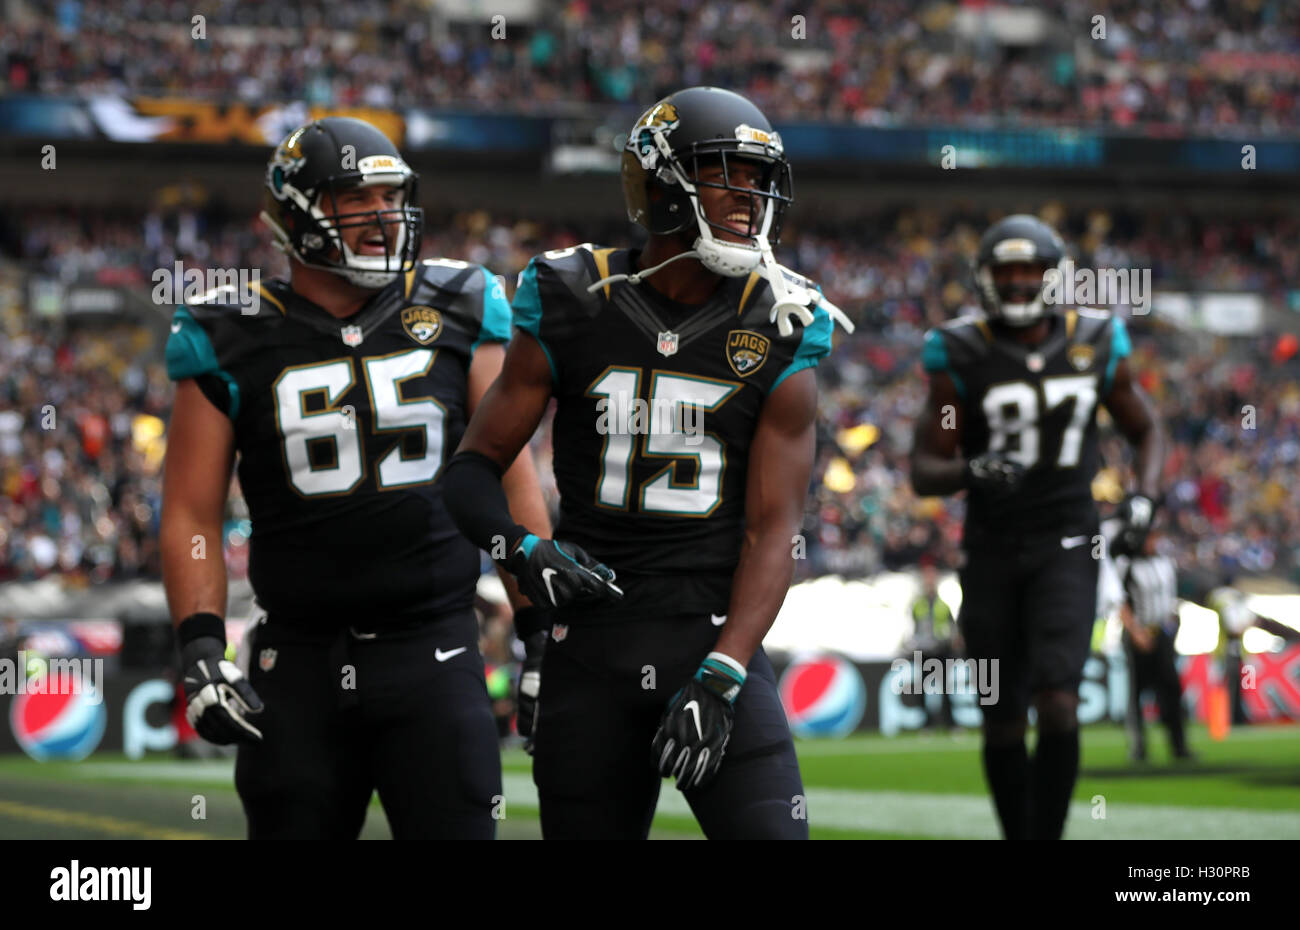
(1013, 410)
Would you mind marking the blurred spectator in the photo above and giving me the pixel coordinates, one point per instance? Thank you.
(1167, 66)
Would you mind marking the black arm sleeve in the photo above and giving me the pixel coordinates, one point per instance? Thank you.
(471, 489)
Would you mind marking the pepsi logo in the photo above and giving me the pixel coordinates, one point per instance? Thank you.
(67, 726)
(823, 696)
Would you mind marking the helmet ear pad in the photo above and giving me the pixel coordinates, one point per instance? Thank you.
(655, 200)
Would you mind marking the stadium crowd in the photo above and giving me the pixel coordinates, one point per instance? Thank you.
(1162, 65)
(82, 407)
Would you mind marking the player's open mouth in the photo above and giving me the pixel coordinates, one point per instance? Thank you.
(373, 245)
(738, 222)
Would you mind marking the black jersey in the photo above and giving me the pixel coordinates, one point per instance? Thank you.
(342, 427)
(657, 403)
(1036, 405)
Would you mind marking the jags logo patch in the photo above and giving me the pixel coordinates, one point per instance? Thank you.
(746, 351)
(1080, 357)
(423, 324)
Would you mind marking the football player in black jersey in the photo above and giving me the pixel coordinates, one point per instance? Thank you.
(684, 438)
(1011, 418)
(343, 391)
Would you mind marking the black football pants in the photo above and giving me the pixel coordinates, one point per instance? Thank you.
(405, 713)
(604, 690)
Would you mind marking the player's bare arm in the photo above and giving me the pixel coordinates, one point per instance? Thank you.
(548, 574)
(196, 479)
(520, 480)
(937, 465)
(775, 493)
(1132, 412)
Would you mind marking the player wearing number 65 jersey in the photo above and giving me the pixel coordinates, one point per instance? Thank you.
(1011, 419)
(684, 439)
(343, 392)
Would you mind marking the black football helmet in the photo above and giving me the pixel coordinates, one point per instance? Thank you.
(662, 159)
(1017, 239)
(303, 178)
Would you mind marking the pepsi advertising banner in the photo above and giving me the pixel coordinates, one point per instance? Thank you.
(123, 713)
(826, 695)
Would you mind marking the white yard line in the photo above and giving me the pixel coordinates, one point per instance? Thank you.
(843, 809)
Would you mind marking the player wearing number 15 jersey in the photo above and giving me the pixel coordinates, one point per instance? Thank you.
(684, 439)
(343, 391)
(1011, 419)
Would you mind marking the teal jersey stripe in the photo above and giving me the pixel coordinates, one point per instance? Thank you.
(1120, 347)
(934, 358)
(189, 354)
(495, 326)
(814, 345)
(528, 312)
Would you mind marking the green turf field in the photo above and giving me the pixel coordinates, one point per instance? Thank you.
(868, 787)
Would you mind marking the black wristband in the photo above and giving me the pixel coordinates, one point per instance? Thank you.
(530, 620)
(472, 493)
(198, 625)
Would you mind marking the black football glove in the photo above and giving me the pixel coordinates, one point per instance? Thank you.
(530, 686)
(554, 574)
(696, 727)
(993, 474)
(218, 696)
(1137, 513)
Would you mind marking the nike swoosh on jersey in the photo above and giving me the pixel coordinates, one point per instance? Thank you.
(444, 656)
(1070, 542)
(716, 620)
(176, 327)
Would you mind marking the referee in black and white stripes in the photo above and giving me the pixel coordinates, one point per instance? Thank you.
(1150, 617)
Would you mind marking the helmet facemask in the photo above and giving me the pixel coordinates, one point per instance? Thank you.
(399, 225)
(1014, 303)
(763, 205)
(716, 244)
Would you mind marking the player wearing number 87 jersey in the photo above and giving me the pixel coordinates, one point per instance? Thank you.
(342, 391)
(684, 440)
(1011, 419)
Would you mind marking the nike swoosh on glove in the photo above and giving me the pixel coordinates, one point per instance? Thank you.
(218, 697)
(554, 574)
(696, 727)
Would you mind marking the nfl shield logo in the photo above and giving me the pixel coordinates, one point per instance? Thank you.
(558, 632)
(667, 344)
(351, 336)
(266, 660)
